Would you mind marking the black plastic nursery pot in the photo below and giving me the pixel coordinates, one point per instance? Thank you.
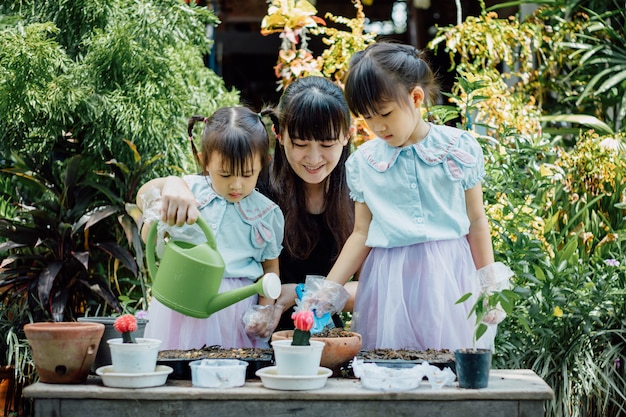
(472, 367)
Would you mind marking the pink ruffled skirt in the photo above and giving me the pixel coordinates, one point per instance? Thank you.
(223, 328)
(406, 298)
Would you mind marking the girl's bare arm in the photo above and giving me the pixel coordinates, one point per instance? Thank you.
(354, 250)
(479, 236)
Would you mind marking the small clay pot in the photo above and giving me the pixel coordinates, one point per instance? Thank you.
(64, 351)
(337, 350)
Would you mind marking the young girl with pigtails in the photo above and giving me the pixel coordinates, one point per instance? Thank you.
(248, 229)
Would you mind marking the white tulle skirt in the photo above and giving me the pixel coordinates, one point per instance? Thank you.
(224, 328)
(406, 298)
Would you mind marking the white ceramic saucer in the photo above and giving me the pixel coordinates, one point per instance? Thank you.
(270, 379)
(119, 380)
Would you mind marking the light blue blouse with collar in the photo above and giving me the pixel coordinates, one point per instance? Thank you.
(246, 233)
(416, 193)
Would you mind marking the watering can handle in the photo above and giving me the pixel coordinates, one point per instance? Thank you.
(151, 243)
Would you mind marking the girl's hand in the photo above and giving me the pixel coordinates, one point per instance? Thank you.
(324, 296)
(259, 321)
(179, 204)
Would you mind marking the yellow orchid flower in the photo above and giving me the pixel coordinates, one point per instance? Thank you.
(283, 14)
(545, 170)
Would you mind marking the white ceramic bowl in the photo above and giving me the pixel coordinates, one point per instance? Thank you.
(271, 379)
(218, 373)
(137, 380)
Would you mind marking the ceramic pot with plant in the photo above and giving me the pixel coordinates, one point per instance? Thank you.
(103, 358)
(129, 354)
(340, 346)
(299, 356)
(491, 306)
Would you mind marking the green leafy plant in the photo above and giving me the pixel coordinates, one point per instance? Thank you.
(126, 178)
(80, 81)
(15, 357)
(58, 246)
(485, 303)
(105, 72)
(554, 189)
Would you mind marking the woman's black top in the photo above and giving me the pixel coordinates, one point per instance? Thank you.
(294, 270)
(319, 262)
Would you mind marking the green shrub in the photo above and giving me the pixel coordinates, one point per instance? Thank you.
(555, 190)
(105, 72)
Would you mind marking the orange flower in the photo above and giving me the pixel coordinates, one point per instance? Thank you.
(303, 320)
(126, 324)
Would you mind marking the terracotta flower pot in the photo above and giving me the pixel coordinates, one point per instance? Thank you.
(337, 350)
(64, 351)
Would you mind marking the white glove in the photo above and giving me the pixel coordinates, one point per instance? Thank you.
(323, 296)
(494, 316)
(494, 277)
(259, 321)
(151, 204)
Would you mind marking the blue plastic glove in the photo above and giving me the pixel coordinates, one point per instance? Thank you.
(319, 323)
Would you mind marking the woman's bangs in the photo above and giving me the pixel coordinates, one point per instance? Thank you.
(319, 120)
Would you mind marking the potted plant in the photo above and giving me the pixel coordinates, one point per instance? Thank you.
(339, 346)
(299, 355)
(17, 368)
(61, 239)
(130, 354)
(103, 358)
(491, 306)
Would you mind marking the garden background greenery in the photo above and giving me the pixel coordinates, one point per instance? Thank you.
(94, 98)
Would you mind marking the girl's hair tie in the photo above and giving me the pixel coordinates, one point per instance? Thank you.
(192, 121)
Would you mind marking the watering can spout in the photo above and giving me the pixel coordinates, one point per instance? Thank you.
(189, 277)
(268, 286)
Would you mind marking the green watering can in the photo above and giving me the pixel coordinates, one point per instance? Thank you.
(189, 276)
